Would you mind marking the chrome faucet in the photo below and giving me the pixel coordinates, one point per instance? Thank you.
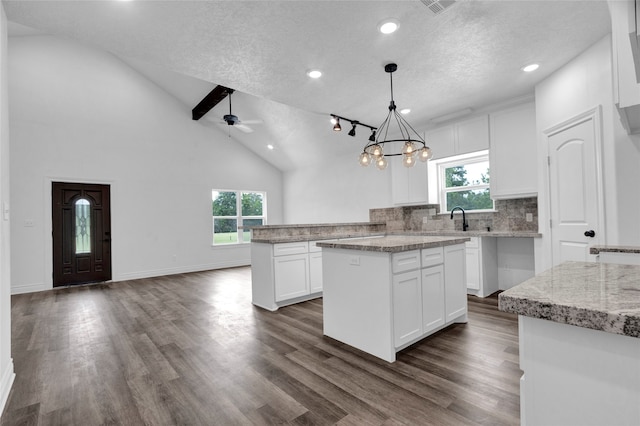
(465, 225)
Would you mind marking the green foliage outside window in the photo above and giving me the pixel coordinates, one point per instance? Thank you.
(227, 218)
(470, 199)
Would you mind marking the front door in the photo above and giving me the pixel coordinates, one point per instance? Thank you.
(81, 233)
(575, 189)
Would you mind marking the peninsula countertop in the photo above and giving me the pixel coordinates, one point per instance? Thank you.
(599, 296)
(392, 243)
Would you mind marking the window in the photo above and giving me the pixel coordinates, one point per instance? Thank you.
(464, 181)
(233, 211)
(83, 226)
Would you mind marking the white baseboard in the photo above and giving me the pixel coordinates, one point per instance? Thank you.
(5, 384)
(29, 288)
(181, 270)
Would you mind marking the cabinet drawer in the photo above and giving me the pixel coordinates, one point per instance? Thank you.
(284, 249)
(474, 243)
(432, 256)
(405, 261)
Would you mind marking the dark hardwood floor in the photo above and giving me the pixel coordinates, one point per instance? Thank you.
(191, 349)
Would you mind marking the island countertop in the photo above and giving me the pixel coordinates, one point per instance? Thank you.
(599, 296)
(392, 243)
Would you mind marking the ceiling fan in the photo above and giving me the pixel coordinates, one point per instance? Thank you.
(233, 120)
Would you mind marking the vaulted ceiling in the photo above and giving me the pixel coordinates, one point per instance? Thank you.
(469, 56)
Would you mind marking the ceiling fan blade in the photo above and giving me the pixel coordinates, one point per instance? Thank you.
(251, 121)
(243, 128)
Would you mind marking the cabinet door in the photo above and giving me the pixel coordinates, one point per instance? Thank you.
(514, 154)
(432, 298)
(407, 307)
(291, 275)
(473, 268)
(315, 271)
(455, 288)
(472, 135)
(399, 182)
(441, 142)
(408, 185)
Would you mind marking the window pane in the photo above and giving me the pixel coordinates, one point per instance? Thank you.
(470, 200)
(224, 203)
(83, 226)
(467, 174)
(225, 231)
(246, 234)
(251, 204)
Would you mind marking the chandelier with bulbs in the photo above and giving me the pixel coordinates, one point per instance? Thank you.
(408, 144)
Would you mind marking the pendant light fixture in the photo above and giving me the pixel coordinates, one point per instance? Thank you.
(408, 143)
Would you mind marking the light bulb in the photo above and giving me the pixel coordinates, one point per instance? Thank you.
(365, 159)
(408, 161)
(376, 151)
(425, 154)
(381, 163)
(408, 147)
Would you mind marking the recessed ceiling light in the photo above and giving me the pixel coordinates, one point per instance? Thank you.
(270, 146)
(530, 67)
(405, 111)
(388, 26)
(314, 73)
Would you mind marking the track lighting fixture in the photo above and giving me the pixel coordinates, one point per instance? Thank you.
(372, 138)
(352, 132)
(336, 127)
(413, 145)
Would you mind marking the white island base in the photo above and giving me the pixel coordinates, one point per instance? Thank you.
(577, 376)
(381, 302)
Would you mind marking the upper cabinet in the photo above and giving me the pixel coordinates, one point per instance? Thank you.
(513, 153)
(625, 36)
(459, 138)
(408, 185)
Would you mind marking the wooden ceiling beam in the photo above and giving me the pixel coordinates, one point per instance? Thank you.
(212, 99)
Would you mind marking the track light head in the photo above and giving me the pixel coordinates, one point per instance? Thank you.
(336, 127)
(372, 138)
(352, 132)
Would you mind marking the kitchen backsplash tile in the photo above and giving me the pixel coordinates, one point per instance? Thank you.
(510, 215)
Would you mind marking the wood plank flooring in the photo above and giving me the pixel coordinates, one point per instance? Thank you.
(191, 349)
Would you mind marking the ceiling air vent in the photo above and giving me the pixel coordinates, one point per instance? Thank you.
(438, 6)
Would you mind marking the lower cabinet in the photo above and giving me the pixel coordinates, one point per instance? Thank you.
(285, 273)
(482, 266)
(426, 299)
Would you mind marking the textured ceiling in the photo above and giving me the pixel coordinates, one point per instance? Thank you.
(467, 57)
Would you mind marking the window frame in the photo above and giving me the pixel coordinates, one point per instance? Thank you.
(239, 217)
(461, 160)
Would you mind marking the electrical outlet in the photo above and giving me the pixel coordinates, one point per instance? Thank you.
(29, 223)
(529, 217)
(354, 260)
(425, 219)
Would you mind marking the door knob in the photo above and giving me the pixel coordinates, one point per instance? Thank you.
(590, 233)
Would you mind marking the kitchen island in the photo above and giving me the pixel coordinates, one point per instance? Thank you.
(579, 331)
(383, 294)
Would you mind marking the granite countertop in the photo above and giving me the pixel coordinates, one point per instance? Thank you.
(599, 296)
(392, 243)
(314, 225)
(614, 249)
(314, 237)
(454, 233)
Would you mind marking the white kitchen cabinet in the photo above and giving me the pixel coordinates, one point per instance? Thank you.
(513, 153)
(459, 138)
(285, 273)
(291, 275)
(455, 294)
(626, 68)
(408, 184)
(482, 266)
(407, 307)
(433, 315)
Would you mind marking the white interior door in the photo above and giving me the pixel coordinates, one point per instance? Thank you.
(575, 188)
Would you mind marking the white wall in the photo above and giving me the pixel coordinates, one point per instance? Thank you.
(338, 191)
(80, 114)
(580, 85)
(6, 363)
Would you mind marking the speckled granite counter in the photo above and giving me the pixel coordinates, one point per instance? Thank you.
(393, 243)
(599, 296)
(614, 249)
(274, 234)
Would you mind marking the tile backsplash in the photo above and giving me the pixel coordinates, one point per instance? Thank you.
(509, 216)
